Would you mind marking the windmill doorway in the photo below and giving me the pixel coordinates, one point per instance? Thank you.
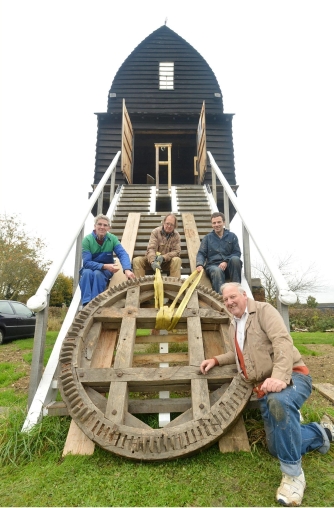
(182, 157)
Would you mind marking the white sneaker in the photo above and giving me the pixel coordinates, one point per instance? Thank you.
(291, 490)
(328, 423)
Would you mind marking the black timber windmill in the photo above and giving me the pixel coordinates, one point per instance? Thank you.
(165, 98)
(165, 115)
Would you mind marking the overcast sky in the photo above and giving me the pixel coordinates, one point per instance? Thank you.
(273, 61)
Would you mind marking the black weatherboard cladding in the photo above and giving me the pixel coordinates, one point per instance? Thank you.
(137, 81)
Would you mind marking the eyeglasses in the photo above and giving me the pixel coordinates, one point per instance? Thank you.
(169, 224)
(102, 225)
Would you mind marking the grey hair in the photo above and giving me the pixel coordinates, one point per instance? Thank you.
(235, 285)
(171, 215)
(103, 217)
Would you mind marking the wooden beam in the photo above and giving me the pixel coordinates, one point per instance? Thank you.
(193, 244)
(326, 389)
(159, 375)
(128, 242)
(117, 404)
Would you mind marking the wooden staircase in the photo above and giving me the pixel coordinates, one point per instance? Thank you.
(137, 198)
(132, 223)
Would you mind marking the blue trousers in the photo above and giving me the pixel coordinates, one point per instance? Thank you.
(217, 276)
(92, 283)
(287, 438)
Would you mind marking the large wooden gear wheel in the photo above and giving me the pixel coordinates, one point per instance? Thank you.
(101, 372)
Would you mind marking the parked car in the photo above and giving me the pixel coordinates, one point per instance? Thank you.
(16, 321)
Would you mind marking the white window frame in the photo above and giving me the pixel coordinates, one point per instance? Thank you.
(166, 76)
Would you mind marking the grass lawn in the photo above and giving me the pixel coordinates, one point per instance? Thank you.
(33, 472)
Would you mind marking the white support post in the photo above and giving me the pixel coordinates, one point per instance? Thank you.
(100, 203)
(47, 391)
(37, 362)
(157, 146)
(227, 209)
(246, 255)
(169, 168)
(164, 418)
(284, 311)
(175, 208)
(112, 185)
(153, 199)
(214, 185)
(78, 259)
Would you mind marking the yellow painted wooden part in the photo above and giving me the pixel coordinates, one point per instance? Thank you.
(166, 319)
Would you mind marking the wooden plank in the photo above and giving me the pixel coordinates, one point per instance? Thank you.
(193, 244)
(175, 405)
(77, 443)
(326, 389)
(160, 358)
(235, 439)
(128, 242)
(148, 315)
(117, 403)
(127, 145)
(156, 339)
(201, 145)
(104, 351)
(169, 375)
(199, 387)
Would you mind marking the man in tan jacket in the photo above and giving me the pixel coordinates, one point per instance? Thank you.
(266, 357)
(163, 250)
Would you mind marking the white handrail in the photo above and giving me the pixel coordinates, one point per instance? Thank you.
(38, 301)
(45, 391)
(285, 295)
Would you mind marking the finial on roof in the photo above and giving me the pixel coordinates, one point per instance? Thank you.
(166, 21)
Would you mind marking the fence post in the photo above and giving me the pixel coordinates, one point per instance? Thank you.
(37, 362)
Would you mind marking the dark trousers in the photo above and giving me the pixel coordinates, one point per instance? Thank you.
(218, 276)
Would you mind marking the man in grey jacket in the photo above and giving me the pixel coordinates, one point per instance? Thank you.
(266, 357)
(219, 254)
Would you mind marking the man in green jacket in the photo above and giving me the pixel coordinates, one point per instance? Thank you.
(98, 261)
(266, 358)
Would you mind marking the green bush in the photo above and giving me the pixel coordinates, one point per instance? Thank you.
(311, 319)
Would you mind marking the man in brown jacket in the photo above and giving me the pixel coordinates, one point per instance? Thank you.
(266, 357)
(163, 250)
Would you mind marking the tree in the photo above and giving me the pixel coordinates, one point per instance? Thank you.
(61, 291)
(22, 265)
(311, 302)
(300, 282)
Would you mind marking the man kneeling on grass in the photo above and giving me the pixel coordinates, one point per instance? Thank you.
(266, 357)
